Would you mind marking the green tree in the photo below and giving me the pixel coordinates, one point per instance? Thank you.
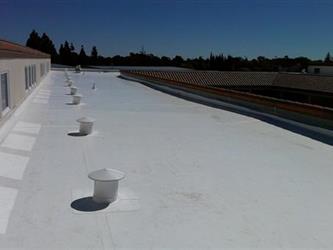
(71, 47)
(34, 40)
(177, 61)
(65, 54)
(328, 58)
(83, 59)
(47, 46)
(42, 43)
(94, 56)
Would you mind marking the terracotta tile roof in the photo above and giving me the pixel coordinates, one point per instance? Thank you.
(14, 50)
(230, 79)
(305, 82)
(216, 78)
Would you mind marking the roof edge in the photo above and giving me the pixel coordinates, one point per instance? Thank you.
(27, 51)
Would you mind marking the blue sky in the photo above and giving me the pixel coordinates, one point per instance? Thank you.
(168, 27)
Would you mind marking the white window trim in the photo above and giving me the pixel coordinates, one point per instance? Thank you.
(7, 109)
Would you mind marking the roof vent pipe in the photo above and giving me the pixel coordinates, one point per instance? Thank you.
(77, 99)
(86, 125)
(69, 82)
(106, 184)
(73, 90)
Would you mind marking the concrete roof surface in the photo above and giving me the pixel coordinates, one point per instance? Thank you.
(196, 177)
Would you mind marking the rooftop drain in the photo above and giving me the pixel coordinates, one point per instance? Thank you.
(106, 184)
(73, 90)
(77, 99)
(86, 125)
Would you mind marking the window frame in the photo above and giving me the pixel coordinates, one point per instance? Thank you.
(26, 77)
(7, 109)
(30, 76)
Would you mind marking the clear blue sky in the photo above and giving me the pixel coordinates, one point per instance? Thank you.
(168, 27)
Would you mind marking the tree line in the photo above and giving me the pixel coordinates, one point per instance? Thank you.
(68, 55)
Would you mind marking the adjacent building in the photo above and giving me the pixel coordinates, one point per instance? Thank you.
(21, 70)
(321, 69)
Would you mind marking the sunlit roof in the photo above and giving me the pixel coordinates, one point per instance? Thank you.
(196, 176)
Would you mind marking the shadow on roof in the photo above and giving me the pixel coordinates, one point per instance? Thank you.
(87, 204)
(76, 134)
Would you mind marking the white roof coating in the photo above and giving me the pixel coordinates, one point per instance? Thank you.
(196, 176)
(106, 174)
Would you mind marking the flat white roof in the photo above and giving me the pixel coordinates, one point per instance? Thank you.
(196, 176)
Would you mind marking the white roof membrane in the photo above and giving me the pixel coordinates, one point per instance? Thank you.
(196, 176)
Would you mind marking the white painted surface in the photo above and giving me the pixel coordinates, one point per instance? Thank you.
(12, 166)
(203, 177)
(40, 101)
(16, 75)
(44, 91)
(27, 127)
(42, 96)
(127, 201)
(7, 200)
(19, 142)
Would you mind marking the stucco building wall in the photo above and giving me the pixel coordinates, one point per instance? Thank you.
(16, 78)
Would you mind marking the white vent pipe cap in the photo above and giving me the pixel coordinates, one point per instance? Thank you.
(86, 125)
(77, 99)
(106, 184)
(73, 90)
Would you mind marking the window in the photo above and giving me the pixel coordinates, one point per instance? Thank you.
(30, 75)
(26, 77)
(42, 69)
(4, 91)
(34, 74)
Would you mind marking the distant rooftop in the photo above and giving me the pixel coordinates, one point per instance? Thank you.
(117, 68)
(9, 50)
(232, 78)
(154, 68)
